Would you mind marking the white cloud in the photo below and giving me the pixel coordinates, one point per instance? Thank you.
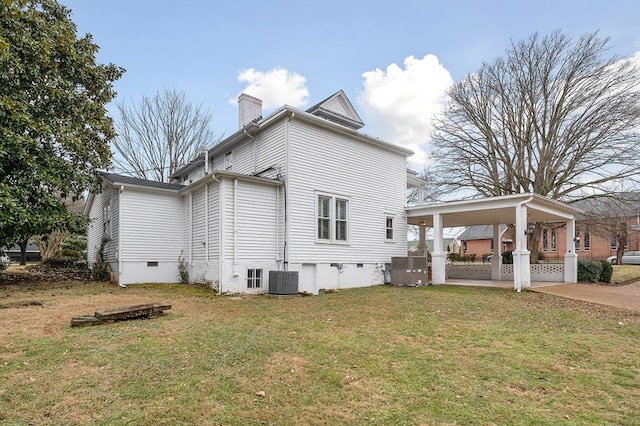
(400, 103)
(275, 87)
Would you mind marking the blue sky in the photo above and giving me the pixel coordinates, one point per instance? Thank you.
(393, 59)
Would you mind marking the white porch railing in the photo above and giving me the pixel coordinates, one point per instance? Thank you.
(543, 272)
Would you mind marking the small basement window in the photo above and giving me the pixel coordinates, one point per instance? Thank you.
(153, 264)
(254, 278)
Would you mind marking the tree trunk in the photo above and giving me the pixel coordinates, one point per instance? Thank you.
(23, 251)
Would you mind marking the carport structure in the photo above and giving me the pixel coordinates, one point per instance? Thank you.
(517, 209)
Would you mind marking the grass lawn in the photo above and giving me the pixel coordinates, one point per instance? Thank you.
(624, 273)
(380, 355)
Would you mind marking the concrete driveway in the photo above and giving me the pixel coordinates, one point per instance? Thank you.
(622, 296)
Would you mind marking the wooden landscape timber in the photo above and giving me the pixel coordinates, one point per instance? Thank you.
(149, 310)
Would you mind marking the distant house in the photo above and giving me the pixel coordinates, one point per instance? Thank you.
(451, 244)
(590, 240)
(478, 239)
(297, 191)
(32, 253)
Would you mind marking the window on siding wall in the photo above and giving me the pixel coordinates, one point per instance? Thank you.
(332, 218)
(254, 278)
(587, 240)
(106, 220)
(228, 161)
(389, 228)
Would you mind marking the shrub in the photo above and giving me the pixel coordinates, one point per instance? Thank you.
(589, 270)
(507, 257)
(540, 255)
(182, 270)
(607, 272)
(101, 271)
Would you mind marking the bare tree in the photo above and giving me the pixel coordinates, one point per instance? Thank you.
(613, 218)
(161, 134)
(552, 117)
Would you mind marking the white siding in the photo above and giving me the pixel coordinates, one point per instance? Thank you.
(152, 236)
(151, 227)
(374, 181)
(253, 156)
(198, 225)
(109, 195)
(251, 233)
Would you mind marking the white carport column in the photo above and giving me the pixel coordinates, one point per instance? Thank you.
(496, 256)
(521, 255)
(570, 257)
(438, 256)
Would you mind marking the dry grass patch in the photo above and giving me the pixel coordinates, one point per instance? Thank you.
(382, 355)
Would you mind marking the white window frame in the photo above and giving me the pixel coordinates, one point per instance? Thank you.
(254, 278)
(332, 218)
(228, 161)
(389, 217)
(106, 220)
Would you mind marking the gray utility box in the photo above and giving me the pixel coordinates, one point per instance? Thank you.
(283, 282)
(410, 270)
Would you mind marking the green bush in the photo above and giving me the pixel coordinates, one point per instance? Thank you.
(540, 255)
(589, 270)
(100, 270)
(507, 257)
(607, 272)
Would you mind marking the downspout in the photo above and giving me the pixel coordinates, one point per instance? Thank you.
(206, 161)
(191, 228)
(285, 247)
(206, 223)
(254, 149)
(220, 234)
(120, 233)
(235, 228)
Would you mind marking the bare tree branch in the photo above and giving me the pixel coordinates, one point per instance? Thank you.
(160, 135)
(552, 117)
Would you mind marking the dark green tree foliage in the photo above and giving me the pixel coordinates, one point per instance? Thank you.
(54, 127)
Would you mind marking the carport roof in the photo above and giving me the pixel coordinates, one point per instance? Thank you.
(492, 211)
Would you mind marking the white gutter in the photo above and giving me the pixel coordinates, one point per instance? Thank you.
(235, 228)
(206, 223)
(221, 203)
(285, 261)
(191, 228)
(120, 232)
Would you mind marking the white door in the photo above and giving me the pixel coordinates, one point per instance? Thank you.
(308, 278)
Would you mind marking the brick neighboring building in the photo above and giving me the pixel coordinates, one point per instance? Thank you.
(478, 240)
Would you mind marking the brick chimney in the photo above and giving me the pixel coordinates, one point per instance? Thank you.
(249, 109)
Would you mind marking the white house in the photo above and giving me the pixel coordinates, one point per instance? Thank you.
(297, 191)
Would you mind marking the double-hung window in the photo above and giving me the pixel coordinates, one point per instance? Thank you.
(332, 217)
(388, 228)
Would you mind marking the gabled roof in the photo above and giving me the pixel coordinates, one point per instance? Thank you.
(338, 108)
(122, 180)
(326, 114)
(614, 204)
(480, 232)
